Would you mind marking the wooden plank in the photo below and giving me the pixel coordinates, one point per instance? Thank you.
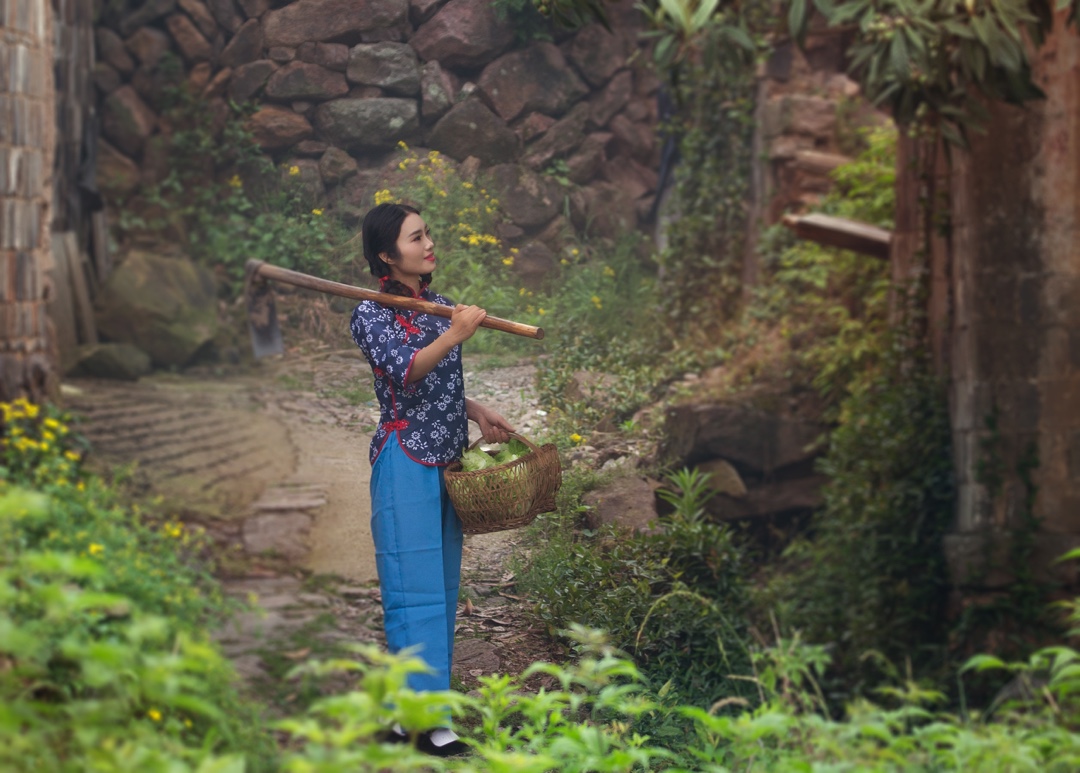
(841, 233)
(84, 309)
(61, 305)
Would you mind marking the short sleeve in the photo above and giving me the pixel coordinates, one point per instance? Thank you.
(383, 343)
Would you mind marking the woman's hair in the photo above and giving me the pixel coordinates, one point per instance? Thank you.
(380, 232)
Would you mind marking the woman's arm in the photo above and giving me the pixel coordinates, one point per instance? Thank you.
(493, 427)
(463, 323)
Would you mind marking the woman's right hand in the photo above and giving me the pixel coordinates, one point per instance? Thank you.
(465, 320)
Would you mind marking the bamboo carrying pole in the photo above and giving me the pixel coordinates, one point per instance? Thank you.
(259, 269)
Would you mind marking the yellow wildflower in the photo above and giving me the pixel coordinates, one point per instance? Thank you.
(609, 271)
(154, 714)
(47, 436)
(401, 144)
(508, 261)
(467, 185)
(442, 193)
(541, 311)
(576, 438)
(514, 250)
(575, 252)
(317, 212)
(565, 262)
(51, 423)
(597, 302)
(522, 291)
(294, 170)
(95, 549)
(236, 182)
(384, 196)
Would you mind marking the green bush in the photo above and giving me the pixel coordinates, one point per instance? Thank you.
(675, 598)
(104, 659)
(871, 573)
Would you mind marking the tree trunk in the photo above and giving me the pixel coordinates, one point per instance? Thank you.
(27, 139)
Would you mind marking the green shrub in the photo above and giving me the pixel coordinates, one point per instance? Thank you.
(675, 598)
(104, 659)
(871, 573)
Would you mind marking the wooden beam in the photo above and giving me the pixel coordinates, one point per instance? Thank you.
(841, 233)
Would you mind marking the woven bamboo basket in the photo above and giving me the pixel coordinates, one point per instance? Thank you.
(505, 496)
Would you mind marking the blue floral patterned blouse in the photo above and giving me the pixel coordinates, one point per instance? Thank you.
(428, 416)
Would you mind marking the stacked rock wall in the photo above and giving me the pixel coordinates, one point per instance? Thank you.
(338, 83)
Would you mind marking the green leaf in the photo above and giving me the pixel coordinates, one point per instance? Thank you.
(797, 19)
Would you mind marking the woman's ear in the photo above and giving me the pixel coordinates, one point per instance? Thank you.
(385, 258)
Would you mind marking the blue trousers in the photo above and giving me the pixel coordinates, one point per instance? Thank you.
(418, 556)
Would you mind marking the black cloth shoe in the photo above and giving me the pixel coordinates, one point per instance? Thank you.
(451, 748)
(394, 735)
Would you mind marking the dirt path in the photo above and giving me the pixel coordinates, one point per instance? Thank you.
(273, 462)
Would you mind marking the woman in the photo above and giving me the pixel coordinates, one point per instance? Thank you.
(416, 359)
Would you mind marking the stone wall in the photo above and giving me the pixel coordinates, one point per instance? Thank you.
(339, 83)
(27, 135)
(1012, 325)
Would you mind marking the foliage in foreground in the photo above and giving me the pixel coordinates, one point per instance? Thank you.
(675, 597)
(91, 680)
(104, 659)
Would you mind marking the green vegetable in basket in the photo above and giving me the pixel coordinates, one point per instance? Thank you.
(516, 447)
(475, 459)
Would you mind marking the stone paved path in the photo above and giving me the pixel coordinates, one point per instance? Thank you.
(273, 462)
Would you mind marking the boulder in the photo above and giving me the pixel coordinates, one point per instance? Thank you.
(534, 261)
(635, 179)
(470, 129)
(723, 478)
(117, 175)
(561, 139)
(464, 34)
(311, 148)
(202, 17)
(148, 45)
(596, 53)
(249, 79)
(193, 46)
(112, 51)
(226, 14)
(281, 54)
(532, 126)
(393, 67)
(156, 160)
(795, 495)
(533, 78)
(336, 165)
(628, 503)
(300, 80)
(607, 209)
(436, 91)
(367, 124)
(127, 120)
(218, 85)
(151, 84)
(606, 104)
(811, 116)
(588, 159)
(754, 440)
(636, 140)
(165, 306)
(106, 78)
(246, 46)
(528, 199)
(330, 20)
(123, 362)
(146, 12)
(332, 56)
(275, 127)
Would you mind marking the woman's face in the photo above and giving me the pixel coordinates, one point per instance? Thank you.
(416, 252)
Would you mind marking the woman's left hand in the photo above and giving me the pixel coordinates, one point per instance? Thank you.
(493, 427)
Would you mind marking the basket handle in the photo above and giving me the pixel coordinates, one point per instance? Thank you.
(532, 446)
